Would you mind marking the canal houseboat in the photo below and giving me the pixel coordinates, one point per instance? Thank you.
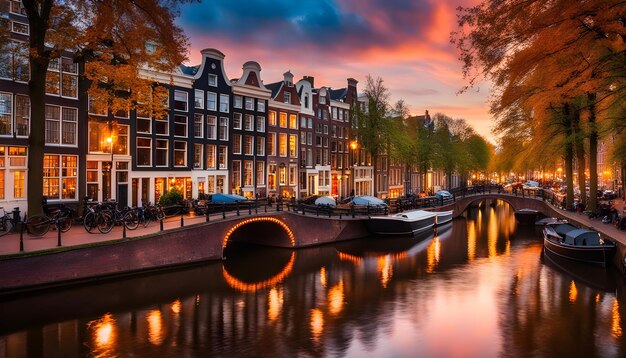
(577, 244)
(443, 217)
(406, 223)
(526, 216)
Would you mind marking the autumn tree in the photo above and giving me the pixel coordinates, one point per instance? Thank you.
(549, 53)
(114, 39)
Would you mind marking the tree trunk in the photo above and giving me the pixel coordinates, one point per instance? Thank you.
(623, 176)
(593, 154)
(579, 148)
(375, 167)
(568, 157)
(39, 57)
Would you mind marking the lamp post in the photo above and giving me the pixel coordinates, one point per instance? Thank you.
(354, 145)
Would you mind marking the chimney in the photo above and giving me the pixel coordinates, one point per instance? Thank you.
(288, 78)
(311, 80)
(352, 82)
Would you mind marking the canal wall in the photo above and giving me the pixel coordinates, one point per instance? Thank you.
(182, 246)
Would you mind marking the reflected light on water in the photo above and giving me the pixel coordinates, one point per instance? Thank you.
(385, 269)
(471, 240)
(176, 306)
(104, 334)
(275, 304)
(336, 298)
(616, 322)
(573, 292)
(492, 233)
(317, 323)
(351, 258)
(432, 255)
(245, 287)
(323, 276)
(155, 327)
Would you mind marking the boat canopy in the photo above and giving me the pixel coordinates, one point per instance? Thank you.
(226, 198)
(416, 215)
(367, 200)
(582, 237)
(564, 229)
(325, 200)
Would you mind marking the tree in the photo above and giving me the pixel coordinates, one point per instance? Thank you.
(110, 38)
(373, 124)
(548, 53)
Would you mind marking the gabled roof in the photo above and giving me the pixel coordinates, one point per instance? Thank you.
(338, 94)
(189, 70)
(275, 88)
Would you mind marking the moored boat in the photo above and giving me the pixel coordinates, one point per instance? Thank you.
(526, 216)
(577, 244)
(406, 223)
(442, 217)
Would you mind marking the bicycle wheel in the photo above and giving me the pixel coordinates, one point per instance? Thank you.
(38, 225)
(5, 225)
(144, 218)
(131, 220)
(160, 214)
(89, 222)
(105, 222)
(66, 224)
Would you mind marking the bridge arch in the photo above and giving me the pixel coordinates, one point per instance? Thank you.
(262, 230)
(517, 202)
(490, 199)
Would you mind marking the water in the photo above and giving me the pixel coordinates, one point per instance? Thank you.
(478, 288)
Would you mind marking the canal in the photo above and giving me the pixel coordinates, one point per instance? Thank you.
(479, 287)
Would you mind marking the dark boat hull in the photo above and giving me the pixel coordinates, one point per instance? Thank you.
(597, 255)
(526, 217)
(443, 218)
(391, 226)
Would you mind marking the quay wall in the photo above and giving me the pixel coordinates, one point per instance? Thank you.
(183, 246)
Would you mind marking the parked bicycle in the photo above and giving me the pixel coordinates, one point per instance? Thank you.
(112, 216)
(149, 213)
(39, 225)
(7, 224)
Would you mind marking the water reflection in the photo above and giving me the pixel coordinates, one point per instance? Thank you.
(478, 287)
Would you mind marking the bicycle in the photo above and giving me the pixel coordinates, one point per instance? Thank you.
(7, 224)
(148, 213)
(112, 216)
(93, 218)
(39, 225)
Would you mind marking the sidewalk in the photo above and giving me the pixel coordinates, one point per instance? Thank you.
(607, 230)
(77, 235)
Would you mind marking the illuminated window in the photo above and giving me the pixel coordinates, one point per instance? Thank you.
(283, 120)
(282, 144)
(180, 153)
(272, 118)
(210, 156)
(293, 145)
(293, 121)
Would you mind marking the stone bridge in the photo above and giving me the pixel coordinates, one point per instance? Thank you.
(517, 202)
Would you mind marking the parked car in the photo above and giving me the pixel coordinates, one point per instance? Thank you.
(443, 195)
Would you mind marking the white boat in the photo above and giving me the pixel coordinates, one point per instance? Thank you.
(406, 223)
(442, 217)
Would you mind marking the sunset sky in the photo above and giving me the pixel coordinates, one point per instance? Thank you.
(404, 42)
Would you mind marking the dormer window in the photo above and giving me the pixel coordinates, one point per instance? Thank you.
(306, 101)
(287, 97)
(213, 80)
(322, 100)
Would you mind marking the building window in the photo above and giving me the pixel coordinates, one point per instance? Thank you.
(222, 157)
(260, 105)
(293, 174)
(180, 126)
(236, 174)
(283, 120)
(211, 101)
(247, 173)
(271, 143)
(309, 138)
(260, 124)
(248, 122)
(6, 114)
(223, 129)
(287, 97)
(144, 148)
(197, 156)
(293, 121)
(14, 62)
(306, 101)
(211, 127)
(248, 145)
(212, 80)
(180, 153)
(52, 125)
(322, 100)
(17, 8)
(144, 125)
(161, 152)
(22, 115)
(260, 173)
(282, 144)
(162, 126)
(260, 146)
(62, 78)
(282, 175)
(180, 101)
(60, 176)
(198, 99)
(293, 145)
(224, 103)
(237, 120)
(210, 156)
(237, 101)
(99, 134)
(198, 125)
(94, 108)
(272, 118)
(20, 28)
(249, 103)
(236, 143)
(302, 138)
(19, 177)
